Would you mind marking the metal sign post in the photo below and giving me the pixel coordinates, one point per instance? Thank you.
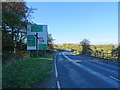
(36, 43)
(29, 53)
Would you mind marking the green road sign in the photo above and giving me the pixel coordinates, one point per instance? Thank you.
(36, 28)
(31, 40)
(42, 46)
(41, 31)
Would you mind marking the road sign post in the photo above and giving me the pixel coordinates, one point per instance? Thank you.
(29, 53)
(36, 43)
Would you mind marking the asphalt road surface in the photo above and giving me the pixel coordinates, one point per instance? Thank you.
(78, 71)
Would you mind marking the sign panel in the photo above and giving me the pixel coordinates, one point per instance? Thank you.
(42, 46)
(37, 28)
(31, 40)
(42, 41)
(37, 37)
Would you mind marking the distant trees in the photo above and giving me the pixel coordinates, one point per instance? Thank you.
(119, 53)
(108, 51)
(66, 46)
(76, 48)
(50, 41)
(85, 46)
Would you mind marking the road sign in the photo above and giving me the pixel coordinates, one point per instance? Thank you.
(37, 28)
(37, 37)
(31, 40)
(41, 39)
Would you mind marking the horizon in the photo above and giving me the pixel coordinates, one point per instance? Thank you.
(90, 43)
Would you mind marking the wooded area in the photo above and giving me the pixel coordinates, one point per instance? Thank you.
(15, 18)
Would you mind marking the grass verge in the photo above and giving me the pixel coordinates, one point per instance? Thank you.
(25, 73)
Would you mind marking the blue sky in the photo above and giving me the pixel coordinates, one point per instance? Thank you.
(71, 22)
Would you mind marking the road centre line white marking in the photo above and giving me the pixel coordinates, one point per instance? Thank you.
(58, 85)
(92, 72)
(56, 72)
(114, 78)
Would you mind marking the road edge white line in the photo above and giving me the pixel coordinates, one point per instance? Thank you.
(114, 78)
(58, 84)
(56, 72)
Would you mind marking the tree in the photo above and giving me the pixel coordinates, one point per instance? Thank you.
(15, 17)
(118, 53)
(85, 47)
(14, 21)
(50, 41)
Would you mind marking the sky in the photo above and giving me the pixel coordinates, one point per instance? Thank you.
(71, 22)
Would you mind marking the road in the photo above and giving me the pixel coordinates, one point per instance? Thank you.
(78, 71)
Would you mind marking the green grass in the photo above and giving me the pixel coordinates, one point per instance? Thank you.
(25, 73)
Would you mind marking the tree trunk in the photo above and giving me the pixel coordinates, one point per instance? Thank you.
(12, 32)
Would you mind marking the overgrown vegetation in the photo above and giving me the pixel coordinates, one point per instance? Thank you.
(26, 73)
(15, 18)
(110, 51)
(85, 47)
(19, 70)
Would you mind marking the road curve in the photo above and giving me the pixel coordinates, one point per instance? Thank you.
(77, 71)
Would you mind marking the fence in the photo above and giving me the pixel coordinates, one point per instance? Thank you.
(111, 56)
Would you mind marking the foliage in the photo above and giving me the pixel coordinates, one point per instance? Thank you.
(85, 42)
(26, 73)
(118, 49)
(15, 17)
(0, 41)
(15, 14)
(104, 48)
(103, 51)
(50, 41)
(71, 47)
(85, 46)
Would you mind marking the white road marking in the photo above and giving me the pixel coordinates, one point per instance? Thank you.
(56, 72)
(66, 56)
(77, 60)
(58, 85)
(92, 72)
(114, 78)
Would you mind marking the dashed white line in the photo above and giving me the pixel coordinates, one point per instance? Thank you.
(114, 78)
(58, 85)
(56, 72)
